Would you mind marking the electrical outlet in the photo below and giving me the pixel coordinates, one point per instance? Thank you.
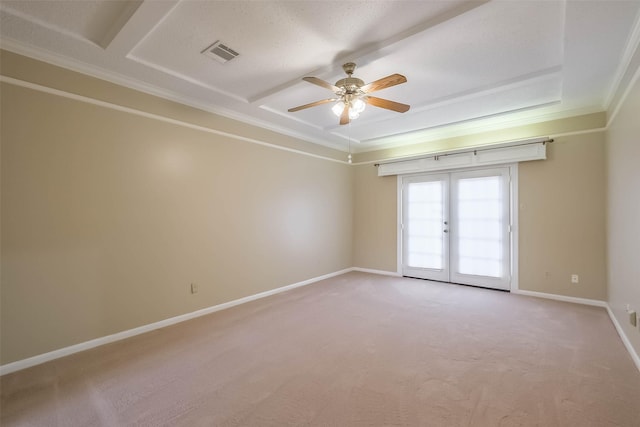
(575, 278)
(194, 288)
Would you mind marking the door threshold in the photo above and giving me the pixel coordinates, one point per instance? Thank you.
(459, 284)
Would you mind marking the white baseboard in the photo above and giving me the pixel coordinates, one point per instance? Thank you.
(624, 338)
(381, 272)
(594, 302)
(576, 300)
(66, 351)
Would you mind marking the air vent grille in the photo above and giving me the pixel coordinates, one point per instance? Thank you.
(220, 52)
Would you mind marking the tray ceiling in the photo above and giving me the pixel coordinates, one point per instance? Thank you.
(469, 65)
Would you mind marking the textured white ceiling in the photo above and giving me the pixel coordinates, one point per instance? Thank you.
(466, 62)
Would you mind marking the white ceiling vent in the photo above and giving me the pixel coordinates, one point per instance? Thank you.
(220, 52)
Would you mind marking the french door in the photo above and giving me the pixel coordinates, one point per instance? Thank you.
(456, 227)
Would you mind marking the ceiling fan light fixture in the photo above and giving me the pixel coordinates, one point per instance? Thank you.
(358, 105)
(355, 108)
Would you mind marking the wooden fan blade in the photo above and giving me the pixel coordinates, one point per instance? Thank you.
(321, 83)
(344, 117)
(312, 104)
(385, 103)
(383, 83)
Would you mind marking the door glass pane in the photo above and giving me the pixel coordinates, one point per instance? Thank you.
(480, 225)
(425, 245)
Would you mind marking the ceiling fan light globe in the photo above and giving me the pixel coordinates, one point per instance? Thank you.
(338, 108)
(358, 105)
(353, 114)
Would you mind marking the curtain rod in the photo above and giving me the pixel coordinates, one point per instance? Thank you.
(474, 151)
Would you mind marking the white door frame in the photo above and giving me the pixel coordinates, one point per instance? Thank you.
(514, 208)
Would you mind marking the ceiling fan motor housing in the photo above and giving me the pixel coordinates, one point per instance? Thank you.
(350, 84)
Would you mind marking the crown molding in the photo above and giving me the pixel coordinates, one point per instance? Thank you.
(105, 104)
(118, 79)
(617, 86)
(623, 96)
(496, 122)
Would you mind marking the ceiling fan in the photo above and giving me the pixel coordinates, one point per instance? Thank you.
(352, 94)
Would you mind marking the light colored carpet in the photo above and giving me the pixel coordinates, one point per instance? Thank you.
(355, 350)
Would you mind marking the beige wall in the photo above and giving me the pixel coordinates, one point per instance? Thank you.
(562, 228)
(623, 213)
(107, 217)
(561, 218)
(375, 220)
